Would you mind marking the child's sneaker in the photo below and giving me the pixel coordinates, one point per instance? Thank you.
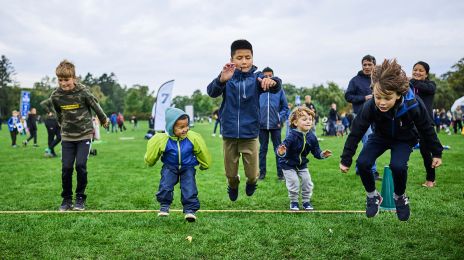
(294, 206)
(372, 205)
(402, 208)
(24, 143)
(164, 211)
(250, 188)
(66, 205)
(80, 204)
(233, 193)
(190, 217)
(307, 206)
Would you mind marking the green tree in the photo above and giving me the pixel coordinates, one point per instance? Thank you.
(8, 98)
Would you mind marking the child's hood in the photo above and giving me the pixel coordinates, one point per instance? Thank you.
(171, 116)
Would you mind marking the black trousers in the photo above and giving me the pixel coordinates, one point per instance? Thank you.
(13, 134)
(375, 147)
(52, 141)
(33, 133)
(78, 152)
(427, 158)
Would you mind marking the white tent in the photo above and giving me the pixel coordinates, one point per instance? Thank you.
(458, 102)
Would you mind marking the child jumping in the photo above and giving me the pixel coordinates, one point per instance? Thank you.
(397, 116)
(240, 85)
(180, 151)
(292, 157)
(73, 102)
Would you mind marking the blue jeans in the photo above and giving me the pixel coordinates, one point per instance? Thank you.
(170, 176)
(375, 147)
(264, 142)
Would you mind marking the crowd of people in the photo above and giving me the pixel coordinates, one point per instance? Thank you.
(389, 112)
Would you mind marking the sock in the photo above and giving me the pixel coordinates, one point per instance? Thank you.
(396, 197)
(372, 194)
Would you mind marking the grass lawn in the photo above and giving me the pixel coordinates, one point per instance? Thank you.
(119, 179)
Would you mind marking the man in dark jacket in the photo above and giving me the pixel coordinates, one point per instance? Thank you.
(273, 112)
(358, 92)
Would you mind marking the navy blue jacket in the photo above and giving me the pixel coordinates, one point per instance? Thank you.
(239, 111)
(273, 110)
(425, 89)
(401, 123)
(298, 147)
(358, 88)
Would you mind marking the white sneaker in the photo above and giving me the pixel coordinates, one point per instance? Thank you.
(213, 134)
(190, 217)
(163, 214)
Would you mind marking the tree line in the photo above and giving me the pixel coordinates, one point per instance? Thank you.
(138, 99)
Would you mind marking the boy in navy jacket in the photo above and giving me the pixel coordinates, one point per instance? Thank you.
(240, 85)
(397, 116)
(293, 151)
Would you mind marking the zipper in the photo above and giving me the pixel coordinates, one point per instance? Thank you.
(304, 144)
(178, 152)
(268, 108)
(238, 113)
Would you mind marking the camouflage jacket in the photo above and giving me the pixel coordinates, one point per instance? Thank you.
(73, 109)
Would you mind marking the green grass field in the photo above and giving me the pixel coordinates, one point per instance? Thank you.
(118, 179)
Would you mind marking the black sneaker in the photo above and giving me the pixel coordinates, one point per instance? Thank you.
(80, 204)
(262, 176)
(24, 143)
(233, 193)
(307, 206)
(402, 208)
(250, 188)
(372, 205)
(294, 206)
(66, 205)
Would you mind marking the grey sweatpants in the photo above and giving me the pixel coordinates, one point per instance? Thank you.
(293, 184)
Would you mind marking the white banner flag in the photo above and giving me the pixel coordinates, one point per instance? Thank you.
(163, 101)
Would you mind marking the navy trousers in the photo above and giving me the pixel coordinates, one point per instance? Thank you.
(170, 176)
(374, 148)
(264, 142)
(74, 151)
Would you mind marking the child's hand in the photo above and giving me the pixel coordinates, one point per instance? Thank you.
(227, 72)
(436, 162)
(326, 153)
(282, 149)
(267, 83)
(343, 168)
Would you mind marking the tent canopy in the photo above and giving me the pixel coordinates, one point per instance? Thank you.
(458, 102)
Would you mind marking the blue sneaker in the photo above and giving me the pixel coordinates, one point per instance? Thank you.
(233, 193)
(402, 208)
(372, 205)
(250, 188)
(164, 211)
(307, 206)
(294, 206)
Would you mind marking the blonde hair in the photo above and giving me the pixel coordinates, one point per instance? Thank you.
(299, 112)
(65, 70)
(390, 77)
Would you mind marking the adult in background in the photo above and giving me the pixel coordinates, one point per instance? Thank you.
(457, 117)
(273, 113)
(333, 118)
(310, 105)
(218, 122)
(358, 92)
(32, 126)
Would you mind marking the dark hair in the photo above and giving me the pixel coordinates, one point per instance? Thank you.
(240, 44)
(267, 69)
(368, 58)
(390, 77)
(425, 65)
(182, 117)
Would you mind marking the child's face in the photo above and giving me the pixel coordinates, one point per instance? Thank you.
(66, 84)
(181, 128)
(15, 113)
(243, 59)
(304, 122)
(367, 67)
(385, 102)
(33, 111)
(268, 74)
(418, 72)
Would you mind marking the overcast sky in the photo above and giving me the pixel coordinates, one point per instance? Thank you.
(150, 42)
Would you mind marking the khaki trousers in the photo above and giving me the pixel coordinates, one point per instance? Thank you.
(249, 150)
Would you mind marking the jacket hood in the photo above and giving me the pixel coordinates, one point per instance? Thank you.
(171, 116)
(77, 88)
(409, 102)
(361, 74)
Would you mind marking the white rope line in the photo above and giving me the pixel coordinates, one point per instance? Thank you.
(179, 210)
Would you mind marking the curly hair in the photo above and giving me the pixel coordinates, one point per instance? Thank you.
(298, 112)
(389, 77)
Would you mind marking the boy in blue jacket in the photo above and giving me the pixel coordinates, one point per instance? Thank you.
(398, 118)
(292, 157)
(240, 85)
(180, 151)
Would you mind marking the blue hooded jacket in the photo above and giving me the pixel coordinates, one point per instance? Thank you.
(358, 88)
(273, 110)
(239, 111)
(299, 145)
(401, 123)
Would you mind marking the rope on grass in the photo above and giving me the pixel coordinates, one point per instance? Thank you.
(11, 212)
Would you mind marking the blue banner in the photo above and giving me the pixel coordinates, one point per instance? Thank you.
(25, 103)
